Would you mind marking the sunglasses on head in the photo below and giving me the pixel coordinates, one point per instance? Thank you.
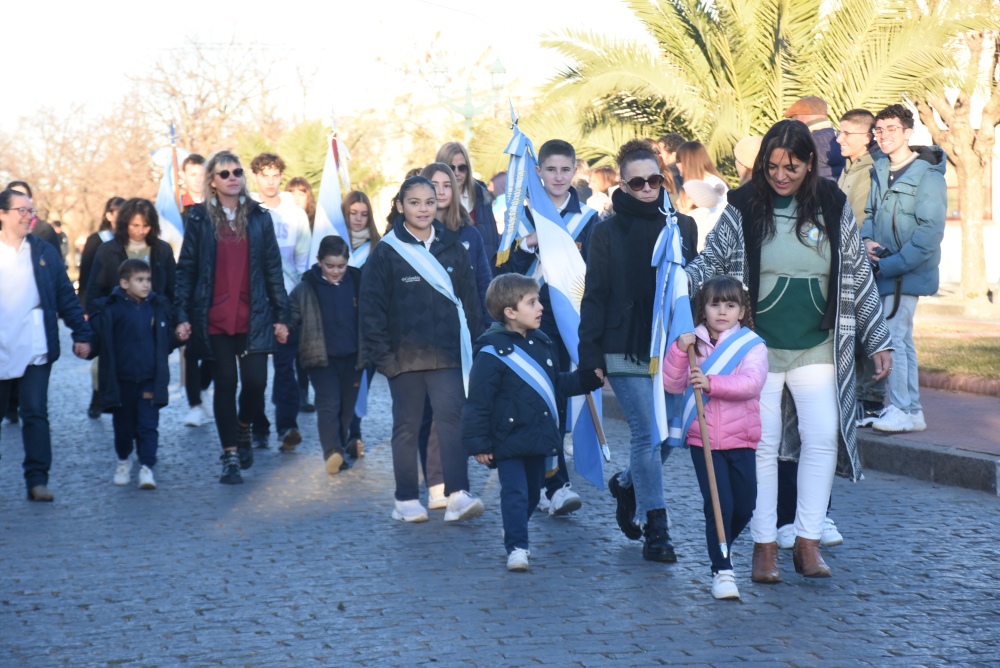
(460, 168)
(654, 181)
(224, 174)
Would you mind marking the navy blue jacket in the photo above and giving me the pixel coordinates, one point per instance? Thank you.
(57, 296)
(481, 265)
(486, 222)
(503, 414)
(110, 318)
(831, 160)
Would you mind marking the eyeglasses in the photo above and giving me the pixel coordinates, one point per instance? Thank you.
(224, 174)
(22, 210)
(460, 169)
(844, 133)
(654, 181)
(889, 129)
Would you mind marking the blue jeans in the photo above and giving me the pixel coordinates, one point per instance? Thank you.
(33, 389)
(520, 487)
(904, 381)
(137, 422)
(635, 396)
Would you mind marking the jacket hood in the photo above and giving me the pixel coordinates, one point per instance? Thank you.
(503, 339)
(933, 155)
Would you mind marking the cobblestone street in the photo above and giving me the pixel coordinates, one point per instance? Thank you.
(299, 568)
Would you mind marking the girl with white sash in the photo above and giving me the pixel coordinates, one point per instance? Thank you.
(731, 371)
(419, 312)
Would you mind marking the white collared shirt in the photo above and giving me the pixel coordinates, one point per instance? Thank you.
(22, 337)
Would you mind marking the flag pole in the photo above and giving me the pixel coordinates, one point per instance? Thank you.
(598, 427)
(709, 466)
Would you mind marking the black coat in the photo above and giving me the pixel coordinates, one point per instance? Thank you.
(196, 280)
(606, 309)
(407, 325)
(103, 278)
(105, 343)
(503, 414)
(94, 242)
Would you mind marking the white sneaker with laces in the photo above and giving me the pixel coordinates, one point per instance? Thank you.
(724, 586)
(409, 511)
(830, 535)
(543, 502)
(786, 537)
(893, 421)
(436, 498)
(123, 474)
(568, 445)
(195, 417)
(919, 424)
(517, 560)
(206, 406)
(462, 506)
(146, 479)
(564, 501)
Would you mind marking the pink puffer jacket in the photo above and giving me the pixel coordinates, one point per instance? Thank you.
(733, 414)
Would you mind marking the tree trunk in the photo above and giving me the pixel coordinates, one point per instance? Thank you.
(972, 194)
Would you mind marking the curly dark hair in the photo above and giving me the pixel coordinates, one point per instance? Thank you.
(904, 115)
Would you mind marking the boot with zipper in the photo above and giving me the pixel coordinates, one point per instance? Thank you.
(657, 545)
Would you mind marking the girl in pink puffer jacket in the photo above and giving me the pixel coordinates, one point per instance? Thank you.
(732, 415)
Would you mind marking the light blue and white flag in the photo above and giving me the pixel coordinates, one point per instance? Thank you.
(167, 206)
(329, 217)
(671, 318)
(358, 258)
(516, 223)
(359, 255)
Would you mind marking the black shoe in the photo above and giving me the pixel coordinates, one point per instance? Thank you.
(94, 411)
(306, 407)
(290, 439)
(355, 448)
(230, 469)
(625, 510)
(243, 446)
(658, 546)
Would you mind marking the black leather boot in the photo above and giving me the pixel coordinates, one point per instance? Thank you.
(657, 545)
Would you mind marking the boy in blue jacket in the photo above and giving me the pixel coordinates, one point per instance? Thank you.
(511, 419)
(133, 334)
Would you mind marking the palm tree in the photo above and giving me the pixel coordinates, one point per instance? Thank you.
(729, 68)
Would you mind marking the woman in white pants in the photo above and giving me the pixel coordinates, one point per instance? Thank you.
(790, 236)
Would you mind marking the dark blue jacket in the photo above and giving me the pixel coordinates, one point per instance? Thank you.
(57, 296)
(503, 414)
(481, 265)
(831, 160)
(110, 318)
(486, 222)
(196, 280)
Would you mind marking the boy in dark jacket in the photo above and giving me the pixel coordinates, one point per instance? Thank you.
(133, 337)
(511, 419)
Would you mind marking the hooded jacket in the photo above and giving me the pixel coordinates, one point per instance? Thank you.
(306, 314)
(908, 219)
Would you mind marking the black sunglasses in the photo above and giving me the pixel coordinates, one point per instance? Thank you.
(654, 181)
(460, 168)
(224, 174)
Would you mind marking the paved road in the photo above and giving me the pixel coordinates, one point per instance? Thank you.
(298, 568)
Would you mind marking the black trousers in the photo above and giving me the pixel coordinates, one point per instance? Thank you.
(234, 366)
(736, 479)
(198, 376)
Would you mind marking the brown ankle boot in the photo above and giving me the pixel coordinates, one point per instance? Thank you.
(765, 563)
(807, 559)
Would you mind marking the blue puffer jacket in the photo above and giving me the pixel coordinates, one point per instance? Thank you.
(503, 414)
(485, 222)
(57, 296)
(908, 219)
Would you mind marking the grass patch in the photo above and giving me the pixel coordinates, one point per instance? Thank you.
(979, 356)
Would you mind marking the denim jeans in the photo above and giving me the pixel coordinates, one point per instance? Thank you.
(520, 488)
(904, 381)
(635, 396)
(33, 390)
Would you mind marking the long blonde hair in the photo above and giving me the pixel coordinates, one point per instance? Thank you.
(212, 206)
(449, 151)
(455, 215)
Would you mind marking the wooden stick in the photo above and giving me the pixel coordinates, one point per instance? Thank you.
(600, 429)
(709, 466)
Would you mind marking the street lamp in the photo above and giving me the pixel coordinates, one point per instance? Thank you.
(468, 109)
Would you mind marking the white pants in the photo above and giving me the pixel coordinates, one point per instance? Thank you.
(814, 390)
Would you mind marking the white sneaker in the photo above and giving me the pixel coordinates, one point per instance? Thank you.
(543, 502)
(146, 480)
(436, 498)
(462, 506)
(123, 474)
(830, 535)
(409, 511)
(195, 417)
(564, 501)
(724, 586)
(517, 560)
(894, 421)
(919, 424)
(568, 445)
(786, 537)
(207, 407)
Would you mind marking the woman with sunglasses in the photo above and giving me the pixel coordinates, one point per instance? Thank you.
(473, 195)
(231, 302)
(616, 318)
(790, 236)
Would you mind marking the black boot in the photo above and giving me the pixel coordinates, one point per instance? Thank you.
(94, 410)
(658, 546)
(243, 448)
(625, 507)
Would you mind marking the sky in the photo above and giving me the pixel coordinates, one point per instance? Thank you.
(76, 53)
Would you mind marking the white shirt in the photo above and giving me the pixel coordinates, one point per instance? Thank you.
(22, 337)
(291, 228)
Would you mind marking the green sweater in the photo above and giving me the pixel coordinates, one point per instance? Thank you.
(793, 293)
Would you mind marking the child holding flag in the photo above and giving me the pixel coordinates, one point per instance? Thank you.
(732, 368)
(511, 420)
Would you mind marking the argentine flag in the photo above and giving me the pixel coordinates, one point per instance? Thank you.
(329, 217)
(171, 221)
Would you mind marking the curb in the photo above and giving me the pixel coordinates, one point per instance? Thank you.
(892, 454)
(960, 382)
